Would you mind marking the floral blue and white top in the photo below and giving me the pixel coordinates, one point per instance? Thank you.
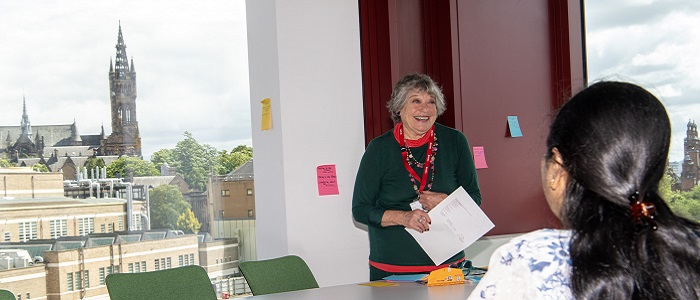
(535, 265)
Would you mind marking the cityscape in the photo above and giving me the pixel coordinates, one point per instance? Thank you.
(78, 207)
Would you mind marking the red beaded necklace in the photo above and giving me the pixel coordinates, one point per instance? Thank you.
(409, 160)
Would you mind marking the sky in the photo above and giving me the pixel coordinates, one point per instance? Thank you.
(653, 43)
(191, 63)
(192, 68)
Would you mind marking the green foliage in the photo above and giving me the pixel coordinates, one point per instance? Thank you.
(167, 205)
(4, 163)
(124, 164)
(234, 159)
(195, 161)
(188, 223)
(93, 162)
(163, 156)
(40, 168)
(685, 204)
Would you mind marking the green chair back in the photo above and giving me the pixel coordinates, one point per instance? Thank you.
(282, 274)
(7, 295)
(182, 283)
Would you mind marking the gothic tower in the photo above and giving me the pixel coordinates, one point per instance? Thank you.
(26, 127)
(125, 138)
(24, 146)
(691, 171)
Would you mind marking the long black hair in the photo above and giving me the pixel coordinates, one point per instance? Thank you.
(614, 140)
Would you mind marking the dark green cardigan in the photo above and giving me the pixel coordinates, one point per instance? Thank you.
(383, 183)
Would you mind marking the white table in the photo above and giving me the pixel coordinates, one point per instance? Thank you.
(402, 291)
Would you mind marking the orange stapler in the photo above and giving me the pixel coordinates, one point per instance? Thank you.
(445, 276)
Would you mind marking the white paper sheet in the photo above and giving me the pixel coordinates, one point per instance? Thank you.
(457, 222)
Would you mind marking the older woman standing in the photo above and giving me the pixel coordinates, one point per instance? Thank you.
(415, 165)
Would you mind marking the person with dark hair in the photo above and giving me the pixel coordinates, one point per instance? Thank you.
(404, 173)
(606, 153)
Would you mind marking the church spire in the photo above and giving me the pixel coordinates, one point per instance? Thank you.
(122, 62)
(125, 139)
(25, 125)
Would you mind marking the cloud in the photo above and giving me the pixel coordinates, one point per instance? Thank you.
(190, 60)
(654, 44)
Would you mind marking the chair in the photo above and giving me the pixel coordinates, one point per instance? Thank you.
(182, 283)
(282, 274)
(7, 295)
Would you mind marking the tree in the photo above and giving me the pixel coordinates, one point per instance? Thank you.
(188, 223)
(684, 204)
(40, 168)
(4, 163)
(195, 161)
(92, 163)
(167, 205)
(123, 165)
(163, 156)
(230, 161)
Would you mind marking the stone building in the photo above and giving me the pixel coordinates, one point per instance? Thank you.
(690, 174)
(73, 244)
(53, 145)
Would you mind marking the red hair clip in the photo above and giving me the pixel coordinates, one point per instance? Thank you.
(642, 212)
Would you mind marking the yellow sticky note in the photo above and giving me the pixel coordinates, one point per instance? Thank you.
(379, 283)
(266, 114)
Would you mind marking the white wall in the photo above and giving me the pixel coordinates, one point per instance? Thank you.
(305, 56)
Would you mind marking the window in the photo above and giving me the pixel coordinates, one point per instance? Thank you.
(58, 228)
(27, 231)
(86, 226)
(102, 276)
(116, 269)
(8, 236)
(78, 281)
(143, 266)
(103, 228)
(121, 223)
(169, 265)
(250, 192)
(86, 279)
(156, 264)
(180, 260)
(69, 281)
(131, 267)
(225, 193)
(110, 227)
(136, 218)
(109, 270)
(250, 213)
(192, 259)
(162, 263)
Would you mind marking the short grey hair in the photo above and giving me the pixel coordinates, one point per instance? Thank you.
(413, 82)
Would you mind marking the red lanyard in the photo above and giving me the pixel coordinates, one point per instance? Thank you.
(428, 155)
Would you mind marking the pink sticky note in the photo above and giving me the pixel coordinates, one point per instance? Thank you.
(327, 181)
(479, 158)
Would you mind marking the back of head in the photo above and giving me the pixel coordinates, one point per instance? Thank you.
(614, 140)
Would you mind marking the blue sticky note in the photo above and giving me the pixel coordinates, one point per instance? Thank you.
(514, 126)
(406, 278)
